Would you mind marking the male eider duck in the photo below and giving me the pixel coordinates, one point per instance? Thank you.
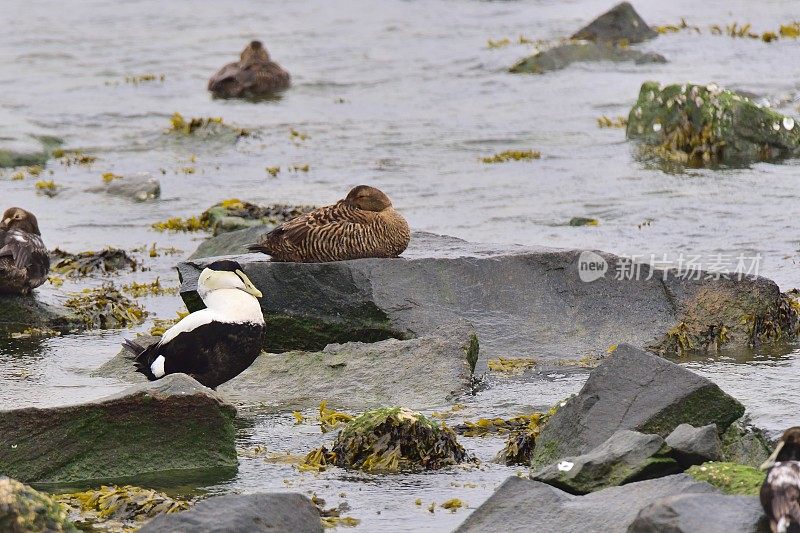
(24, 262)
(255, 74)
(362, 225)
(215, 344)
(780, 493)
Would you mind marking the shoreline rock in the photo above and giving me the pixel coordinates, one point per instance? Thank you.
(709, 513)
(562, 55)
(23, 509)
(620, 23)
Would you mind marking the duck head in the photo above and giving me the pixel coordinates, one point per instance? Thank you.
(254, 53)
(368, 198)
(19, 219)
(788, 448)
(225, 274)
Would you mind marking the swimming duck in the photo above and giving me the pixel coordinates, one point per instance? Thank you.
(780, 492)
(255, 74)
(364, 224)
(215, 344)
(24, 262)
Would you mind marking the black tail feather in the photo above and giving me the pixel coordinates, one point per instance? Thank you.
(141, 359)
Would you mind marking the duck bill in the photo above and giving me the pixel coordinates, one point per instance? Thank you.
(772, 458)
(249, 288)
(5, 223)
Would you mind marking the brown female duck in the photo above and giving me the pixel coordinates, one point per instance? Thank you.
(780, 492)
(364, 224)
(255, 74)
(24, 262)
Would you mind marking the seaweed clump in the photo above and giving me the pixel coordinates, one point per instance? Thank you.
(730, 478)
(490, 426)
(510, 365)
(512, 155)
(520, 444)
(180, 224)
(232, 214)
(24, 509)
(106, 308)
(88, 263)
(203, 126)
(118, 508)
(392, 439)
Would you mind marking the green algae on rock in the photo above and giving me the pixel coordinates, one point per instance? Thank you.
(234, 214)
(730, 478)
(90, 262)
(703, 125)
(25, 510)
(394, 439)
(583, 221)
(106, 308)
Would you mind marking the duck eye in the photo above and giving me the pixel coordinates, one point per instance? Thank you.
(18, 216)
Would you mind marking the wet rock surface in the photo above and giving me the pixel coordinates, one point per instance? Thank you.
(25, 510)
(140, 187)
(620, 23)
(562, 55)
(745, 444)
(633, 390)
(527, 505)
(23, 143)
(694, 446)
(232, 242)
(173, 428)
(269, 513)
(523, 301)
(625, 457)
(702, 513)
(234, 214)
(18, 313)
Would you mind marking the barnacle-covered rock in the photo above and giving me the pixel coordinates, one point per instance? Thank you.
(705, 125)
(562, 55)
(234, 214)
(106, 308)
(393, 439)
(25, 510)
(89, 263)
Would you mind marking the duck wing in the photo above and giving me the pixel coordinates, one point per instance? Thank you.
(263, 78)
(26, 251)
(225, 78)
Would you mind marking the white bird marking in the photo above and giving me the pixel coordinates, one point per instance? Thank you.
(157, 368)
(20, 239)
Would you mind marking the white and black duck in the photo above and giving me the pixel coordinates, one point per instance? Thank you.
(780, 493)
(215, 344)
(24, 262)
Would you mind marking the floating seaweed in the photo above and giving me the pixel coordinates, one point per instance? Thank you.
(616, 122)
(161, 325)
(28, 333)
(47, 187)
(736, 30)
(273, 171)
(203, 125)
(511, 365)
(89, 263)
(512, 155)
(339, 521)
(294, 134)
(583, 221)
(106, 308)
(180, 224)
(330, 419)
(73, 157)
(144, 78)
(300, 168)
(452, 505)
(496, 426)
(497, 43)
(108, 177)
(154, 288)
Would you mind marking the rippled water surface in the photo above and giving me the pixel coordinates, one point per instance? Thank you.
(406, 96)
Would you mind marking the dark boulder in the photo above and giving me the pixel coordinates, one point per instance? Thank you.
(620, 23)
(694, 446)
(562, 55)
(702, 513)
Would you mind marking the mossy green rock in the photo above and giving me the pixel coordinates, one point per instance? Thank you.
(232, 215)
(703, 124)
(25, 510)
(169, 429)
(730, 478)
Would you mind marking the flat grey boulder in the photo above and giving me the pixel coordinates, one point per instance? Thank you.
(620, 23)
(625, 457)
(169, 429)
(268, 513)
(695, 446)
(633, 389)
(525, 505)
(426, 372)
(562, 55)
(140, 187)
(702, 513)
(523, 301)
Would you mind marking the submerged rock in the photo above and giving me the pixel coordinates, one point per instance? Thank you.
(633, 390)
(442, 280)
(140, 187)
(706, 513)
(234, 513)
(730, 478)
(620, 23)
(23, 143)
(25, 510)
(522, 505)
(694, 446)
(169, 429)
(704, 125)
(18, 313)
(562, 55)
(625, 457)
(89, 263)
(234, 214)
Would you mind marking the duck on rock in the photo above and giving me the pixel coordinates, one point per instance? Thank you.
(362, 225)
(215, 344)
(255, 74)
(780, 493)
(24, 262)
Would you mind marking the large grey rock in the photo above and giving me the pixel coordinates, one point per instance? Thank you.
(702, 513)
(525, 505)
(268, 513)
(523, 301)
(625, 457)
(172, 428)
(620, 23)
(635, 390)
(230, 243)
(421, 373)
(562, 55)
(695, 446)
(140, 187)
(18, 313)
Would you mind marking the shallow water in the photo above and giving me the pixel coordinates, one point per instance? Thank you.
(406, 97)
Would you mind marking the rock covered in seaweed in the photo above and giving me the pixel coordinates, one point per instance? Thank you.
(89, 263)
(105, 308)
(234, 214)
(562, 55)
(704, 125)
(621, 23)
(25, 510)
(394, 439)
(141, 187)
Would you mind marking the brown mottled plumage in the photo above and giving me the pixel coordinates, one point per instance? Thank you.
(255, 74)
(24, 262)
(780, 492)
(362, 225)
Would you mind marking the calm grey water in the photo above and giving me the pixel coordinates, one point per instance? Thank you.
(406, 96)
